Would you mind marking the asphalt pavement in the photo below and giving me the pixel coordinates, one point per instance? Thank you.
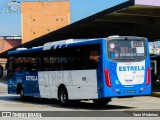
(3, 86)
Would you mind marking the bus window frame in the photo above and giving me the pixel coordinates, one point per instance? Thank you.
(83, 63)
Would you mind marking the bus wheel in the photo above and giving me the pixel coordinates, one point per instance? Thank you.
(22, 97)
(101, 101)
(158, 75)
(1, 71)
(63, 96)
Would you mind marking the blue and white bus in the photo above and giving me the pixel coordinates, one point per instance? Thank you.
(91, 69)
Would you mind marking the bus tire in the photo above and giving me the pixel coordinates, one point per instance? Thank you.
(101, 102)
(63, 96)
(1, 71)
(22, 97)
(158, 75)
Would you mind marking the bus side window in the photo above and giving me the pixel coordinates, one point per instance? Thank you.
(10, 66)
(18, 65)
(18, 69)
(34, 63)
(46, 62)
(93, 59)
(26, 64)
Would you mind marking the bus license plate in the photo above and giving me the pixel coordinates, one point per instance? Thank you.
(129, 91)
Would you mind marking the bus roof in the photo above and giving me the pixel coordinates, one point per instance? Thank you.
(123, 37)
(69, 43)
(56, 45)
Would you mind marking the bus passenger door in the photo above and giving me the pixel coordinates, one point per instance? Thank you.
(11, 86)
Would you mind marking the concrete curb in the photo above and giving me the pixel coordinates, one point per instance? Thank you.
(155, 94)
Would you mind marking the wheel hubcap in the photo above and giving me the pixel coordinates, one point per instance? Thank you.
(63, 97)
(21, 93)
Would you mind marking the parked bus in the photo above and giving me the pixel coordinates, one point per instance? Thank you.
(91, 69)
(3, 72)
(155, 67)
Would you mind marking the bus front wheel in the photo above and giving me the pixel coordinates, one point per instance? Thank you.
(101, 101)
(22, 97)
(63, 96)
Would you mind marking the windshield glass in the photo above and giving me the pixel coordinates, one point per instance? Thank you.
(126, 49)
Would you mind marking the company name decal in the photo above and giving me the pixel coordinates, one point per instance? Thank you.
(131, 68)
(32, 78)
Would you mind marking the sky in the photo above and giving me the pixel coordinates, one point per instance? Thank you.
(10, 19)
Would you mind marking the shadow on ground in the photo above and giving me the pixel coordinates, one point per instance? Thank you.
(83, 105)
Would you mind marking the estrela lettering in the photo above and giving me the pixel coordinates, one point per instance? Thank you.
(33, 78)
(131, 68)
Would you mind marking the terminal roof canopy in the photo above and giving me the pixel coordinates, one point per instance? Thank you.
(131, 18)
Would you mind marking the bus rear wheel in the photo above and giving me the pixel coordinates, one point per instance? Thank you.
(63, 96)
(101, 102)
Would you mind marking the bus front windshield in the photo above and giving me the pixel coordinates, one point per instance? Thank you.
(126, 50)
